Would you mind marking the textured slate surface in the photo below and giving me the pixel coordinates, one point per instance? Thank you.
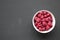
(16, 16)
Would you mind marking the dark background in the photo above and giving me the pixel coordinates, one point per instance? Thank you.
(16, 16)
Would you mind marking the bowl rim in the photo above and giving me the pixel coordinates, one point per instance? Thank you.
(53, 23)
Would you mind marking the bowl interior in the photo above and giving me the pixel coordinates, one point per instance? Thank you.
(53, 22)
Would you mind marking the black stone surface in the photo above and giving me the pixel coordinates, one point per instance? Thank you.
(16, 16)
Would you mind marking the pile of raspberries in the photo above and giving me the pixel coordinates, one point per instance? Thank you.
(43, 21)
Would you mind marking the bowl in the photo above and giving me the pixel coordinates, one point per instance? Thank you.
(53, 22)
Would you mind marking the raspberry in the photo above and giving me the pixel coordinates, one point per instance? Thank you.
(43, 28)
(38, 24)
(37, 19)
(47, 27)
(45, 13)
(42, 17)
(39, 15)
(46, 19)
(44, 23)
(49, 18)
(42, 13)
(49, 23)
(40, 29)
(45, 16)
(48, 14)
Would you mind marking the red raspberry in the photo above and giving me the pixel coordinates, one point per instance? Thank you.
(39, 15)
(50, 19)
(39, 24)
(47, 27)
(37, 19)
(50, 23)
(42, 12)
(36, 24)
(48, 14)
(41, 29)
(45, 16)
(45, 13)
(44, 23)
(46, 19)
(42, 17)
